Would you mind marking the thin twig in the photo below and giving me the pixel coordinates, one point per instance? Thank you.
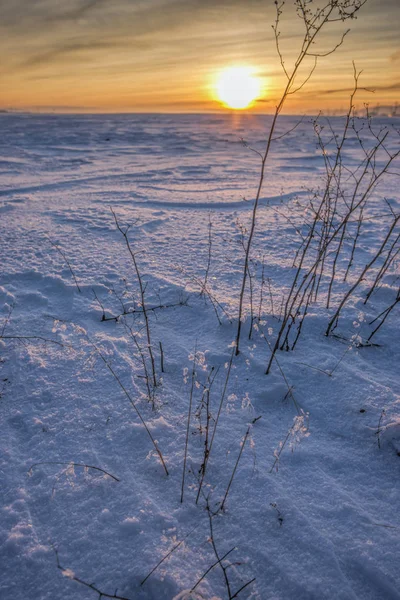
(161, 357)
(217, 562)
(135, 408)
(188, 421)
(142, 289)
(228, 373)
(169, 554)
(243, 443)
(62, 253)
(73, 464)
(71, 575)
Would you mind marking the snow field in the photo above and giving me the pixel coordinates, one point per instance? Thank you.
(319, 523)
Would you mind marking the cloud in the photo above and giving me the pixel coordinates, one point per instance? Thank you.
(81, 11)
(135, 48)
(20, 13)
(160, 27)
(376, 88)
(62, 50)
(395, 56)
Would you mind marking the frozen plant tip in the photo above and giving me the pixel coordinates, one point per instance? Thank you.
(298, 430)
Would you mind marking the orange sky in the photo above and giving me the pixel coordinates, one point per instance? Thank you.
(162, 55)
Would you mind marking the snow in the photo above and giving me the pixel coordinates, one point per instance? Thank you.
(313, 510)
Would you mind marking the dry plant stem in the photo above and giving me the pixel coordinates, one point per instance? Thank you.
(236, 594)
(387, 266)
(220, 559)
(135, 408)
(299, 249)
(271, 298)
(335, 317)
(243, 443)
(124, 233)
(260, 304)
(228, 373)
(366, 166)
(331, 177)
(384, 267)
(206, 453)
(150, 390)
(207, 458)
(201, 405)
(7, 320)
(296, 314)
(314, 23)
(293, 295)
(251, 303)
(314, 368)
(161, 358)
(62, 253)
(164, 558)
(208, 418)
(336, 177)
(214, 302)
(291, 300)
(321, 268)
(385, 315)
(73, 464)
(217, 562)
(340, 360)
(103, 316)
(136, 311)
(303, 316)
(276, 461)
(188, 421)
(209, 253)
(378, 432)
(356, 238)
(289, 387)
(280, 450)
(68, 573)
(205, 290)
(305, 310)
(281, 306)
(252, 229)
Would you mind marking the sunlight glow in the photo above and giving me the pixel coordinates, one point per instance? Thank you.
(238, 87)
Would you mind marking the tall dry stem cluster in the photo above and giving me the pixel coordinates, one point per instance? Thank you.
(314, 19)
(333, 246)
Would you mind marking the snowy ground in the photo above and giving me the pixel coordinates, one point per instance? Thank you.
(323, 521)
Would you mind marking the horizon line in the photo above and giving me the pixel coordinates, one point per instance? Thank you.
(76, 112)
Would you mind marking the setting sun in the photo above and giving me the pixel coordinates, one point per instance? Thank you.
(238, 87)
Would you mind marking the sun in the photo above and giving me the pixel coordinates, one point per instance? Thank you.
(238, 87)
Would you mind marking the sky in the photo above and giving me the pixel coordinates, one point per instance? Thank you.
(165, 55)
